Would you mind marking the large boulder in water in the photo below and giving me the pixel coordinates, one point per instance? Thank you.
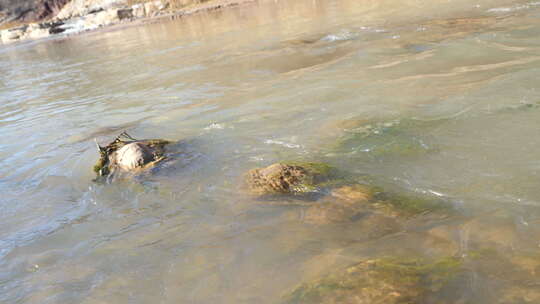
(134, 155)
(128, 155)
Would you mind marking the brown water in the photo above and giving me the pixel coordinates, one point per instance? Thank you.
(428, 103)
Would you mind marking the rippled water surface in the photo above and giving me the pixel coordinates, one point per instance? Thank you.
(439, 99)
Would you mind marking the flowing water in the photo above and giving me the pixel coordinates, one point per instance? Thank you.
(436, 98)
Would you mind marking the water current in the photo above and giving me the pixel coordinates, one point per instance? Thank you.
(438, 99)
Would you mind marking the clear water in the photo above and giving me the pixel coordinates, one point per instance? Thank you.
(452, 105)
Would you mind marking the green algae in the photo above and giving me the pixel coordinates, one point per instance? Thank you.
(397, 138)
(100, 165)
(314, 168)
(408, 204)
(433, 274)
(395, 203)
(385, 280)
(318, 174)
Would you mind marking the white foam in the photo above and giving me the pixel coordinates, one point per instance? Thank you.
(282, 143)
(514, 8)
(341, 36)
(215, 126)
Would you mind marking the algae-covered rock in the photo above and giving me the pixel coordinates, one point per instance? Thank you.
(525, 290)
(515, 274)
(522, 294)
(409, 204)
(287, 178)
(354, 193)
(129, 155)
(350, 203)
(388, 202)
(326, 213)
(337, 197)
(386, 280)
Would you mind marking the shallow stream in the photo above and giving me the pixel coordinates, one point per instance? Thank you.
(436, 98)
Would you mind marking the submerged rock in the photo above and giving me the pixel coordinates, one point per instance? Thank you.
(287, 178)
(515, 274)
(326, 213)
(348, 203)
(407, 204)
(330, 197)
(354, 193)
(386, 280)
(345, 204)
(128, 155)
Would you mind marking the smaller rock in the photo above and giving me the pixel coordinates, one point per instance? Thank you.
(125, 13)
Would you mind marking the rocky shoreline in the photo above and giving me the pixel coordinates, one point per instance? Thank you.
(80, 16)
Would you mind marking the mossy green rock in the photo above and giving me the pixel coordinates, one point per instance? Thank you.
(288, 178)
(390, 203)
(385, 281)
(346, 197)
